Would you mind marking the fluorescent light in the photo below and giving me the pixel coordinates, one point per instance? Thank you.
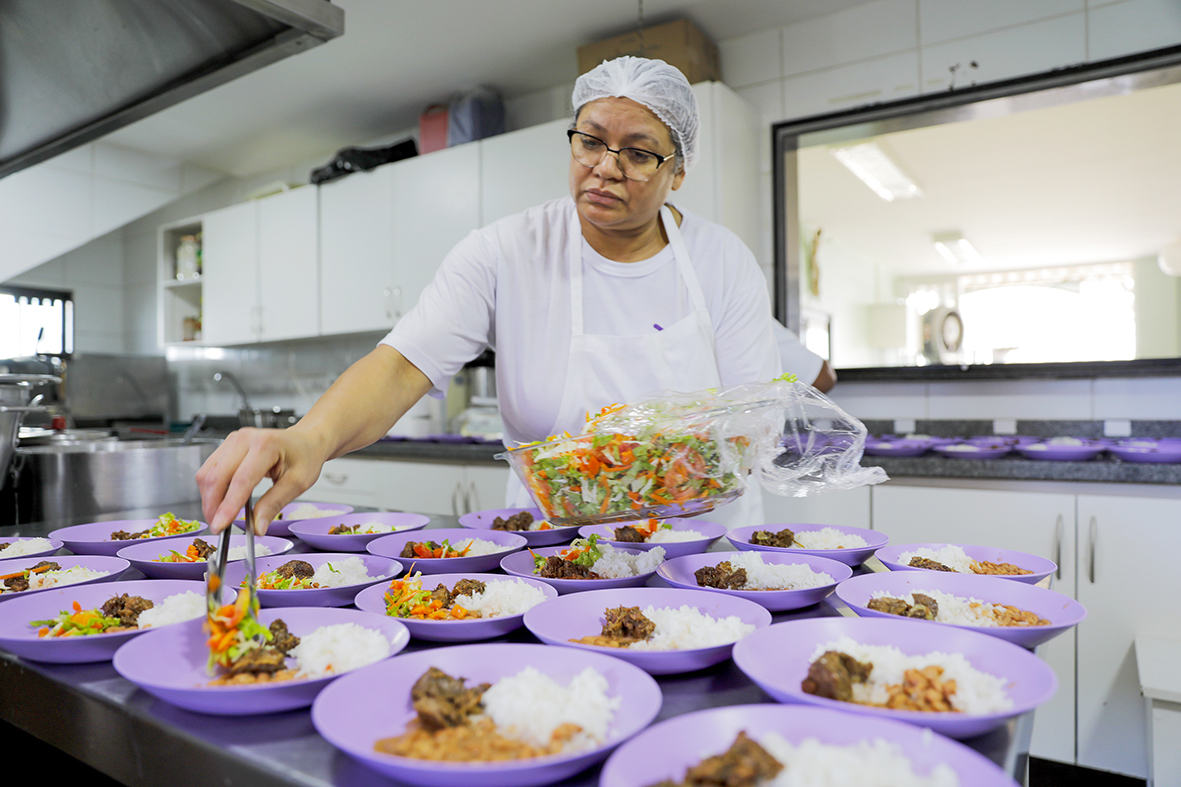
(876, 170)
(955, 248)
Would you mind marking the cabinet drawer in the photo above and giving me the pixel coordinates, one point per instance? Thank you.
(352, 481)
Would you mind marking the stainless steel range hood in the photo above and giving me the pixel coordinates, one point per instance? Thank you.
(72, 71)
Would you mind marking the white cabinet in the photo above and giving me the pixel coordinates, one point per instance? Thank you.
(848, 508)
(230, 277)
(442, 488)
(523, 168)
(288, 265)
(1040, 523)
(1129, 586)
(346, 480)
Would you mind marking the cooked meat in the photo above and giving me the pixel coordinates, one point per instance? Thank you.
(408, 549)
(833, 675)
(924, 607)
(929, 607)
(557, 568)
(126, 608)
(259, 661)
(467, 587)
(20, 582)
(784, 538)
(933, 565)
(442, 595)
(744, 764)
(443, 701)
(124, 535)
(521, 520)
(889, 605)
(723, 575)
(5, 545)
(629, 534)
(627, 623)
(299, 569)
(204, 549)
(282, 640)
(343, 530)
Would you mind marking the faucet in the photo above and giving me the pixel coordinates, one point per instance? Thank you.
(232, 380)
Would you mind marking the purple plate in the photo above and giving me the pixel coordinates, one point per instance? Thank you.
(292, 512)
(710, 532)
(972, 450)
(482, 520)
(17, 636)
(777, 659)
(1062, 452)
(359, 709)
(54, 546)
(379, 569)
(898, 447)
(1160, 453)
(521, 564)
(94, 538)
(170, 663)
(314, 532)
(145, 557)
(683, 741)
(391, 546)
(1040, 566)
(679, 572)
(114, 566)
(853, 556)
(372, 599)
(578, 615)
(1063, 612)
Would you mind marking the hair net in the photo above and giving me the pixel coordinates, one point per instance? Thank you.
(655, 84)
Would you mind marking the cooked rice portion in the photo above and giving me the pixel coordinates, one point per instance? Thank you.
(776, 576)
(616, 564)
(952, 556)
(664, 535)
(339, 648)
(531, 706)
(24, 546)
(686, 627)
(173, 609)
(828, 538)
(65, 576)
(869, 763)
(338, 573)
(501, 598)
(968, 611)
(310, 511)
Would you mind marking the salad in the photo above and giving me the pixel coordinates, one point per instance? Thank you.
(234, 631)
(583, 552)
(429, 549)
(166, 525)
(78, 622)
(407, 598)
(196, 552)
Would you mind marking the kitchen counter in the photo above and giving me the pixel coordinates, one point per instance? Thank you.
(93, 714)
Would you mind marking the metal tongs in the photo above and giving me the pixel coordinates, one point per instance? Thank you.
(215, 575)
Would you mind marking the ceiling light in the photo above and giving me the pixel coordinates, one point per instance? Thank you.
(955, 248)
(875, 169)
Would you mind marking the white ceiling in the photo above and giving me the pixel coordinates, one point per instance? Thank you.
(396, 57)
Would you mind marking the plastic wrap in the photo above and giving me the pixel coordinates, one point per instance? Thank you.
(679, 454)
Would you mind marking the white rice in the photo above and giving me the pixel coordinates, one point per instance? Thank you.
(956, 610)
(501, 598)
(530, 705)
(338, 573)
(976, 693)
(25, 546)
(828, 538)
(310, 511)
(65, 576)
(174, 609)
(686, 628)
(664, 535)
(339, 648)
(376, 527)
(776, 576)
(478, 546)
(868, 763)
(952, 556)
(616, 564)
(239, 553)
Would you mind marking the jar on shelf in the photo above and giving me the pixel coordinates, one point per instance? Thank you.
(188, 257)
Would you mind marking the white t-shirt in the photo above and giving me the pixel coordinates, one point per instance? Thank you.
(797, 359)
(507, 286)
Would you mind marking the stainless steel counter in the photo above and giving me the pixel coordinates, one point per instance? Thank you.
(93, 714)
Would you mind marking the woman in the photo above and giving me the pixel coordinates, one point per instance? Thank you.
(588, 300)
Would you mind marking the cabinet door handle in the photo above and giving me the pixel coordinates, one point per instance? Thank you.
(335, 478)
(389, 303)
(1058, 547)
(1092, 543)
(473, 498)
(455, 500)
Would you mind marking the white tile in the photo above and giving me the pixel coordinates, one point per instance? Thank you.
(1019, 51)
(118, 202)
(21, 252)
(881, 400)
(139, 318)
(1021, 399)
(1141, 398)
(46, 199)
(884, 79)
(134, 166)
(943, 20)
(98, 262)
(1132, 26)
(98, 342)
(868, 31)
(750, 59)
(98, 309)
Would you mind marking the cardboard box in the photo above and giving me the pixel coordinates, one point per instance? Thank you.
(680, 43)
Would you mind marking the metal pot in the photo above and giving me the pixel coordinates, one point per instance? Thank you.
(15, 393)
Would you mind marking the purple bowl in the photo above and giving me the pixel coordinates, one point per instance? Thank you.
(379, 569)
(94, 538)
(1062, 452)
(1063, 612)
(1157, 453)
(967, 450)
(556, 534)
(521, 564)
(359, 709)
(314, 532)
(683, 741)
(282, 527)
(1040, 566)
(114, 566)
(897, 447)
(170, 663)
(579, 615)
(391, 546)
(710, 532)
(54, 546)
(372, 599)
(17, 636)
(679, 572)
(145, 557)
(777, 659)
(853, 556)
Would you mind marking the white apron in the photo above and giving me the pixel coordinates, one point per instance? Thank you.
(606, 370)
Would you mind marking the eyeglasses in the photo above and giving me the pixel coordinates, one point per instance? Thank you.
(634, 163)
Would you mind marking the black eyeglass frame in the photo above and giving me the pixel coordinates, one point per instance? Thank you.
(570, 132)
